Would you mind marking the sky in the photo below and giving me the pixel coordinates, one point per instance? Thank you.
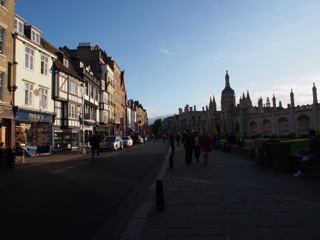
(177, 52)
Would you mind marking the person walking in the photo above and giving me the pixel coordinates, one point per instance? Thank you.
(188, 146)
(205, 142)
(95, 144)
(171, 140)
(197, 146)
(178, 138)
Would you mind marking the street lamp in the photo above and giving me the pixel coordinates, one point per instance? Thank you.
(82, 113)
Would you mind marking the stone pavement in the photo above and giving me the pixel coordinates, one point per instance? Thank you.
(231, 198)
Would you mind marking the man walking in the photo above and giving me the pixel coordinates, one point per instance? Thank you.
(95, 144)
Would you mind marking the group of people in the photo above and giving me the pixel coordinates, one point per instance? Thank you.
(194, 144)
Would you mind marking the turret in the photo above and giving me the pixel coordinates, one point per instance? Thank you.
(314, 93)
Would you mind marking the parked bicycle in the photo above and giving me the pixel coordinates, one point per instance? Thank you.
(83, 149)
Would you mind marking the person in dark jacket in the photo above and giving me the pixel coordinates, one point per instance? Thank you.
(188, 146)
(95, 144)
(197, 146)
(205, 143)
(311, 156)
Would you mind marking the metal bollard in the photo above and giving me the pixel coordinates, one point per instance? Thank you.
(171, 161)
(159, 195)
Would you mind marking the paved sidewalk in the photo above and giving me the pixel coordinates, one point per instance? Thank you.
(231, 198)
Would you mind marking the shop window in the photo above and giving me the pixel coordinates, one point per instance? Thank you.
(58, 140)
(33, 134)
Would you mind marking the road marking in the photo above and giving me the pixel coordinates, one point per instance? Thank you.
(62, 170)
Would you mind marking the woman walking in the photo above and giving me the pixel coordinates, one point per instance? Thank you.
(205, 143)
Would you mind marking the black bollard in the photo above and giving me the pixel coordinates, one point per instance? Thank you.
(159, 195)
(171, 161)
(172, 149)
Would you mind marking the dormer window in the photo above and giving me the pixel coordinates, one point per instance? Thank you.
(19, 26)
(65, 62)
(35, 36)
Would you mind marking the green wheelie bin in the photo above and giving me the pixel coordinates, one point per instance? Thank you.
(280, 155)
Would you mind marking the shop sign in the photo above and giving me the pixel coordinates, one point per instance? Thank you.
(33, 117)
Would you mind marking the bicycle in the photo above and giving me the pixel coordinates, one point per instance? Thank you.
(83, 149)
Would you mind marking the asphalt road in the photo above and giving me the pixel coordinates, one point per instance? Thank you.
(91, 199)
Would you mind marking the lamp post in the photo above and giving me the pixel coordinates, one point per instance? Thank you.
(82, 113)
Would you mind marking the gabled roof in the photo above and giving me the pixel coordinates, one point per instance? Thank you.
(59, 61)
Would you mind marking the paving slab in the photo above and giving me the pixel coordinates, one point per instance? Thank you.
(233, 198)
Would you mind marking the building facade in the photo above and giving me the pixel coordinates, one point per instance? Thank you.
(54, 98)
(7, 66)
(244, 119)
(33, 105)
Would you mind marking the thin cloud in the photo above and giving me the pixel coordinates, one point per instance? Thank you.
(166, 51)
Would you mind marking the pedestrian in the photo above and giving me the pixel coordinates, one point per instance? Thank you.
(188, 146)
(171, 140)
(205, 142)
(164, 137)
(197, 146)
(178, 138)
(95, 144)
(311, 156)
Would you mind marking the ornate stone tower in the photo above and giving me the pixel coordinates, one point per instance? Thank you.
(228, 102)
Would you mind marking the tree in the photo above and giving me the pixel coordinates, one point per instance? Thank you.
(157, 126)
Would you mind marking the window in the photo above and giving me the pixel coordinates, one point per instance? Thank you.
(35, 36)
(44, 65)
(43, 98)
(29, 56)
(73, 88)
(72, 111)
(3, 3)
(63, 84)
(96, 94)
(1, 85)
(91, 91)
(2, 40)
(28, 95)
(86, 86)
(18, 26)
(65, 62)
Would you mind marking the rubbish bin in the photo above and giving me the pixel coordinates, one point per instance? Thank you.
(263, 151)
(280, 155)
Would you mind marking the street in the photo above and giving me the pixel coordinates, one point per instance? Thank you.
(84, 199)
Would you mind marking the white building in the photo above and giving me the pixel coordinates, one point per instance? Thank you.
(33, 104)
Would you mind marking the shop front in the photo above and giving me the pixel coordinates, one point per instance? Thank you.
(34, 131)
(66, 139)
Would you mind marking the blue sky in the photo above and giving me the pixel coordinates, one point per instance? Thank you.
(176, 52)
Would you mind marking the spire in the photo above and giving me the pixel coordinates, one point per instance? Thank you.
(227, 79)
(314, 93)
(248, 96)
(292, 99)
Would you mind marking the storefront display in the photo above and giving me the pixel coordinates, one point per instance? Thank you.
(34, 129)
